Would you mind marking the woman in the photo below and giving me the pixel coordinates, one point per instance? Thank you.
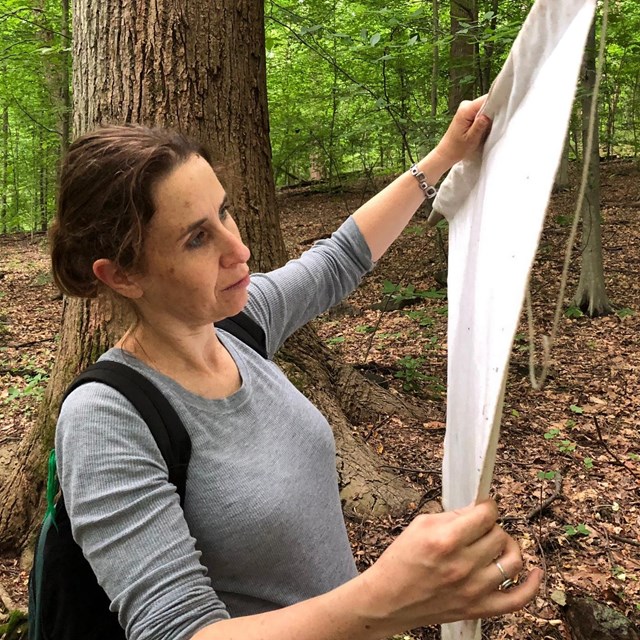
(143, 215)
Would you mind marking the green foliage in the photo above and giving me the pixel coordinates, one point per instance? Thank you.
(576, 409)
(414, 379)
(580, 530)
(625, 312)
(588, 463)
(563, 446)
(35, 387)
(31, 73)
(400, 294)
(566, 446)
(421, 317)
(546, 475)
(16, 626)
(573, 312)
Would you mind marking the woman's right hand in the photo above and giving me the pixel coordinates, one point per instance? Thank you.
(443, 568)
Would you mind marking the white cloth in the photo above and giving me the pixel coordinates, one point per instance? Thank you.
(495, 205)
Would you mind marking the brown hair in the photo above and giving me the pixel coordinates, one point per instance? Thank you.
(105, 200)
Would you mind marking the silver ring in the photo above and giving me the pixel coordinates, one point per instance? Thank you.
(507, 582)
(501, 570)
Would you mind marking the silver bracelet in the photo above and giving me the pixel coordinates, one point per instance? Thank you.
(429, 191)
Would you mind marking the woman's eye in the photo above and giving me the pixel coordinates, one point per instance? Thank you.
(197, 240)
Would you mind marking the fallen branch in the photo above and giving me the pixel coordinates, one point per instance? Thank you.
(30, 343)
(23, 373)
(618, 538)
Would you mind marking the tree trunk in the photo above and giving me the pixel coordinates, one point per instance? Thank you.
(591, 296)
(65, 83)
(199, 68)
(435, 66)
(486, 74)
(5, 169)
(561, 181)
(462, 69)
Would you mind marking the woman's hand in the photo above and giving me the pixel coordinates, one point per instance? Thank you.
(466, 133)
(443, 568)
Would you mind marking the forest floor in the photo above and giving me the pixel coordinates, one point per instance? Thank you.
(567, 476)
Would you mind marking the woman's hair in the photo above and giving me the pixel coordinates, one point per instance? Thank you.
(105, 200)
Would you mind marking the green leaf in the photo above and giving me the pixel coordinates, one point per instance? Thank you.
(375, 38)
(576, 409)
(573, 312)
(588, 463)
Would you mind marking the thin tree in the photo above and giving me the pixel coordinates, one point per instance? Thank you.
(591, 296)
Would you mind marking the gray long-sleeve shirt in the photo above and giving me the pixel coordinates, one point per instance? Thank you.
(262, 526)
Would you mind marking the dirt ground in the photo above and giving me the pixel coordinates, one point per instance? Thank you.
(567, 476)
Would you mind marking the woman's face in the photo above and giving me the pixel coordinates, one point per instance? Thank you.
(195, 264)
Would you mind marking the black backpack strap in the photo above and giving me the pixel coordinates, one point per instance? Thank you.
(163, 422)
(250, 332)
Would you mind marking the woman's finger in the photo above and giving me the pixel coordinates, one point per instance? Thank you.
(513, 598)
(474, 522)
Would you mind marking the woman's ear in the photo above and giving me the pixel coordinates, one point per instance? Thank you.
(116, 279)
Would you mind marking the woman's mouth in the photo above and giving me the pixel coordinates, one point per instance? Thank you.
(240, 284)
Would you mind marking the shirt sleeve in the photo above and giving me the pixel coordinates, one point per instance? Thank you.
(126, 517)
(285, 299)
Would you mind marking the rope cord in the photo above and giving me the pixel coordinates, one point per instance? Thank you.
(547, 341)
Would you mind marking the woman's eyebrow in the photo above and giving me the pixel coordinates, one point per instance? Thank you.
(194, 225)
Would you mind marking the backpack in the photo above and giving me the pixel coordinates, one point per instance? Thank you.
(65, 600)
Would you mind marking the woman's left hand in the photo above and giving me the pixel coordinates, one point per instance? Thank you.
(466, 133)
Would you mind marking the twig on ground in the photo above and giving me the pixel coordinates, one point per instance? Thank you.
(543, 505)
(6, 601)
(631, 541)
(611, 453)
(30, 343)
(375, 427)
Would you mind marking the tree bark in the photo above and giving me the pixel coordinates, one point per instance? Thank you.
(561, 181)
(199, 68)
(462, 68)
(591, 296)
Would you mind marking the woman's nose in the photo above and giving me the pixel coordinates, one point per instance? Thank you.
(235, 250)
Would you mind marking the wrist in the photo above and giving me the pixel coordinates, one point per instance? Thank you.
(360, 602)
(434, 165)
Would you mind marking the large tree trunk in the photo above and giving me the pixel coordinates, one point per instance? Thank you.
(200, 68)
(591, 296)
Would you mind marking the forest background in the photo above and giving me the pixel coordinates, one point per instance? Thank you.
(358, 91)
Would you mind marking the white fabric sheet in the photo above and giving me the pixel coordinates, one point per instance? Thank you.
(495, 205)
